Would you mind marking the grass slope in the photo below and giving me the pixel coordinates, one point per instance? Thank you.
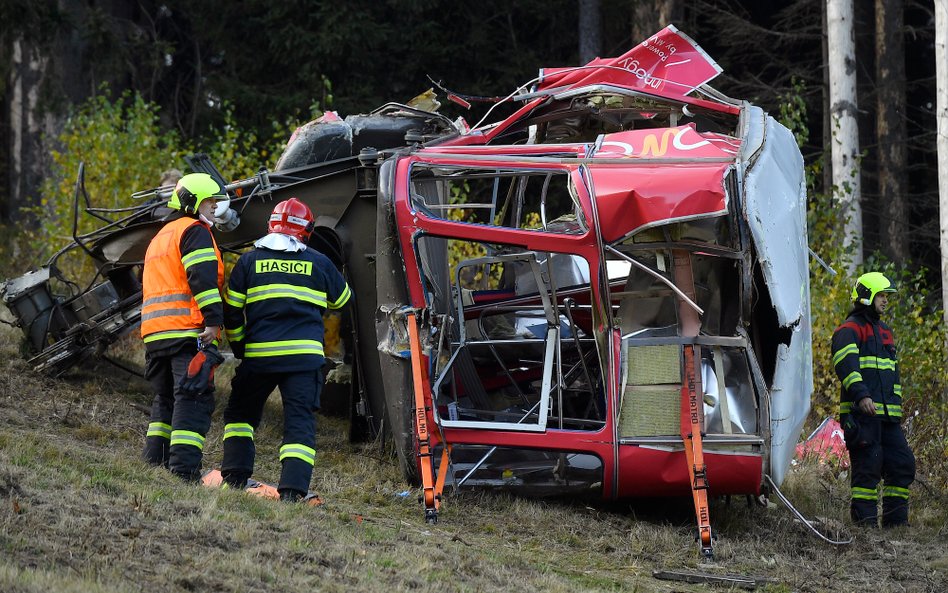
(80, 512)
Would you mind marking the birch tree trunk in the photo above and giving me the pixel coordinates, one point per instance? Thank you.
(590, 30)
(45, 73)
(890, 129)
(27, 125)
(845, 129)
(941, 122)
(827, 118)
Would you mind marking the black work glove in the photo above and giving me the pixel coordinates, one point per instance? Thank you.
(201, 371)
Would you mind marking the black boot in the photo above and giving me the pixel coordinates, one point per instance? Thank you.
(236, 480)
(894, 511)
(157, 451)
(289, 495)
(864, 513)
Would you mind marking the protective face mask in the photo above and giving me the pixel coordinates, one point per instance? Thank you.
(220, 209)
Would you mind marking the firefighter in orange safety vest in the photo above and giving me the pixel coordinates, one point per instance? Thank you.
(182, 311)
(871, 407)
(273, 312)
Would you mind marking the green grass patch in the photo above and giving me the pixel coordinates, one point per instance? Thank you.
(79, 511)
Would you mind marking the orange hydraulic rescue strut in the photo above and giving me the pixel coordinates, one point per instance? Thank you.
(432, 488)
(691, 404)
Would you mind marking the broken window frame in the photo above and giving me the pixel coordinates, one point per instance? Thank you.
(549, 341)
(737, 344)
(555, 381)
(498, 204)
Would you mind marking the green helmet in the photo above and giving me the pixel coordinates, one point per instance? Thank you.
(868, 286)
(191, 190)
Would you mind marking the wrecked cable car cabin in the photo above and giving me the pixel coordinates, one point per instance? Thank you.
(604, 293)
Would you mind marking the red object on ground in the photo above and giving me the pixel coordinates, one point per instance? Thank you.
(825, 444)
(213, 479)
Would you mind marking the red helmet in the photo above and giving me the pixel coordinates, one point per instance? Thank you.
(292, 217)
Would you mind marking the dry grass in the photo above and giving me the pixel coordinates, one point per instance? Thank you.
(80, 512)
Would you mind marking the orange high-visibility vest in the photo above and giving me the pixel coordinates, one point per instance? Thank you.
(168, 307)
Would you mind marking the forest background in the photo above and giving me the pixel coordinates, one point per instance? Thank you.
(131, 87)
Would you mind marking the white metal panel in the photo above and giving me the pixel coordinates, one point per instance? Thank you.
(775, 209)
(790, 399)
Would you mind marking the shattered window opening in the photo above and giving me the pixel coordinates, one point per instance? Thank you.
(542, 200)
(518, 353)
(581, 115)
(539, 473)
(647, 313)
(710, 233)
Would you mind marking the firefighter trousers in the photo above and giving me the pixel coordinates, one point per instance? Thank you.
(179, 423)
(300, 392)
(878, 451)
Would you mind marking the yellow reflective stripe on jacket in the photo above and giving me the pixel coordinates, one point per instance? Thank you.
(166, 313)
(172, 334)
(895, 491)
(208, 297)
(852, 378)
(875, 362)
(198, 256)
(307, 454)
(342, 300)
(847, 407)
(171, 305)
(234, 298)
(238, 429)
(159, 429)
(282, 348)
(864, 493)
(235, 335)
(167, 298)
(187, 437)
(840, 354)
(898, 389)
(895, 410)
(286, 291)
